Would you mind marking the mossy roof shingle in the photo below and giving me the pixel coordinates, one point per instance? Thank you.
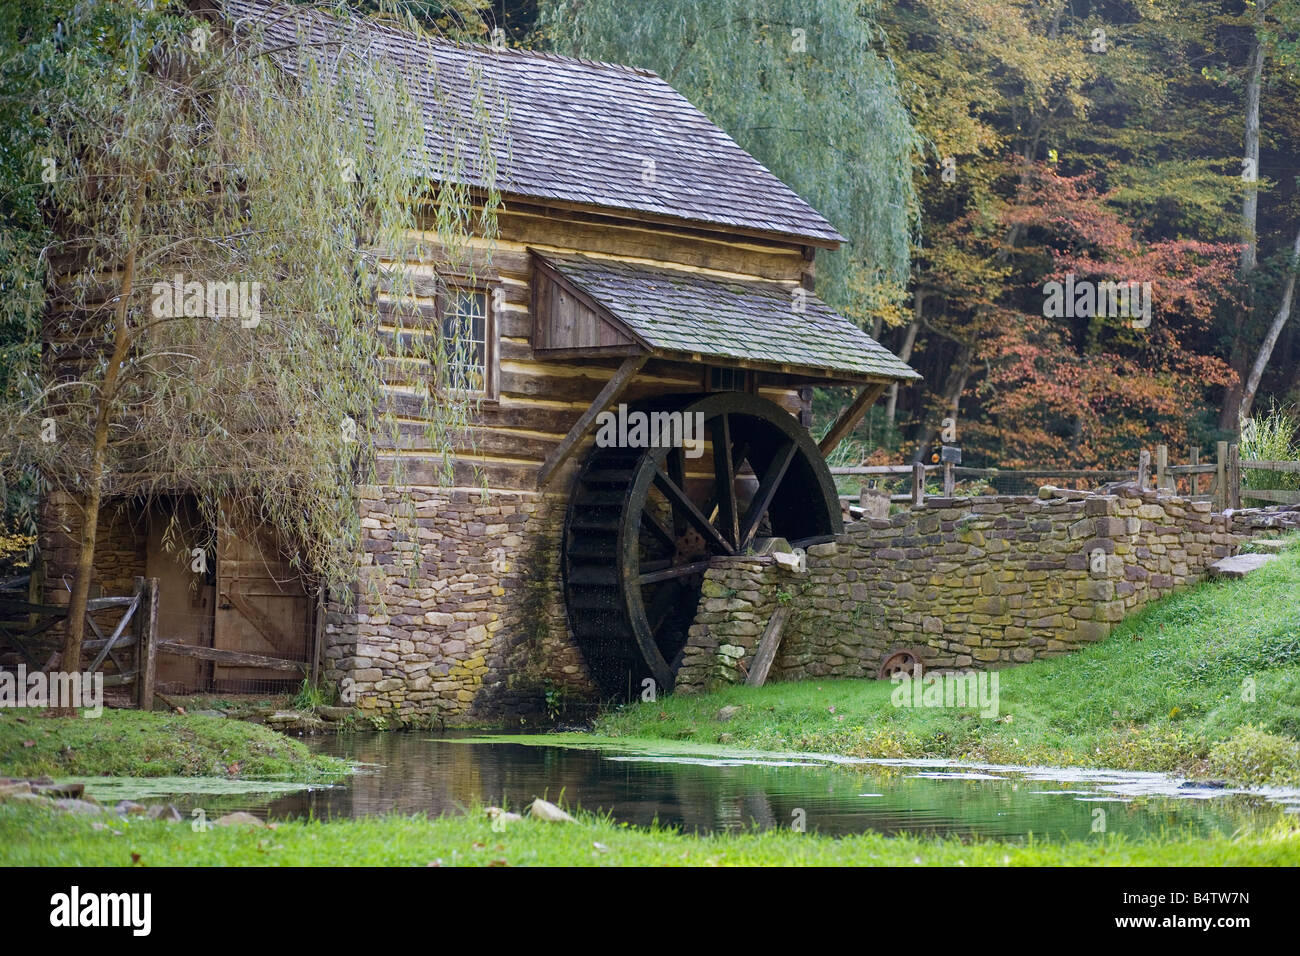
(574, 130)
(674, 310)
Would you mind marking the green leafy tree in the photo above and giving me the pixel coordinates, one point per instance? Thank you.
(222, 213)
(799, 85)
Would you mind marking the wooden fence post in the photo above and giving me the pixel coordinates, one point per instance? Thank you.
(1234, 476)
(918, 483)
(1162, 467)
(949, 479)
(1144, 468)
(148, 652)
(1221, 476)
(1194, 459)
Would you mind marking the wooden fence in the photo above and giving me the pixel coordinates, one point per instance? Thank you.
(25, 627)
(1219, 481)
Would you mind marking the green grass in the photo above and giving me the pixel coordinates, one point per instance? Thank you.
(131, 743)
(1204, 683)
(36, 836)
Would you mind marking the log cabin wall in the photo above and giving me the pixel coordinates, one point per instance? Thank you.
(459, 613)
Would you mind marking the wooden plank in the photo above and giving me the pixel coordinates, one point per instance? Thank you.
(1234, 476)
(1194, 456)
(318, 638)
(1280, 496)
(608, 395)
(147, 658)
(230, 658)
(893, 470)
(1144, 467)
(1112, 475)
(767, 647)
(1256, 465)
(850, 417)
(117, 632)
(1162, 466)
(1221, 476)
(918, 484)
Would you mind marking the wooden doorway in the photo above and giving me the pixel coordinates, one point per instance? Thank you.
(186, 590)
(262, 607)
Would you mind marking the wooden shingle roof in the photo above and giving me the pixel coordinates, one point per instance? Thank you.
(576, 131)
(676, 311)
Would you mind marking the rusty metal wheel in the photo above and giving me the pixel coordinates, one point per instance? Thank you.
(901, 661)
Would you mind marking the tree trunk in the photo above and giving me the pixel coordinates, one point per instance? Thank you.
(90, 502)
(954, 385)
(1234, 397)
(1274, 330)
(905, 353)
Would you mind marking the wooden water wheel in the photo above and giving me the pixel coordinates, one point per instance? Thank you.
(644, 523)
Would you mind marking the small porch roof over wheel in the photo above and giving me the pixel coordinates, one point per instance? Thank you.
(591, 306)
(597, 307)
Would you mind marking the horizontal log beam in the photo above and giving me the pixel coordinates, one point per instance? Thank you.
(230, 658)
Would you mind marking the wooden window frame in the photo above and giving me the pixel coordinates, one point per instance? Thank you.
(491, 391)
(747, 376)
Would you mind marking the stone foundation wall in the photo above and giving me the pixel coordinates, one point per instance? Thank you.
(984, 582)
(121, 541)
(459, 613)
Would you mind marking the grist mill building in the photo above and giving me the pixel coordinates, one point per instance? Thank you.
(645, 264)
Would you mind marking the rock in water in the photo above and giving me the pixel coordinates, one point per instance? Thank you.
(543, 810)
(72, 805)
(238, 819)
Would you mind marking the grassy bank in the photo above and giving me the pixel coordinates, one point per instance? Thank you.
(1205, 683)
(132, 743)
(34, 836)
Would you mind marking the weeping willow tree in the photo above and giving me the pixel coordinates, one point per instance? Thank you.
(225, 207)
(798, 85)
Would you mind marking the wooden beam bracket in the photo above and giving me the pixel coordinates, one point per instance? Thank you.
(608, 395)
(850, 417)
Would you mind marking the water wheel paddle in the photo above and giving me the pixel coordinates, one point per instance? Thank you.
(644, 523)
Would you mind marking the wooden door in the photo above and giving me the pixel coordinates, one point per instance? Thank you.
(262, 608)
(186, 597)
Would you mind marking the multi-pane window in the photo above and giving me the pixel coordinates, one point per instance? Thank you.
(466, 339)
(727, 379)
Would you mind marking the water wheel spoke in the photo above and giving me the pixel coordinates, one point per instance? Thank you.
(724, 479)
(661, 606)
(676, 463)
(767, 486)
(631, 513)
(674, 572)
(658, 531)
(683, 504)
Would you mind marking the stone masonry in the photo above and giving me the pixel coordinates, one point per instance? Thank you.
(982, 582)
(458, 614)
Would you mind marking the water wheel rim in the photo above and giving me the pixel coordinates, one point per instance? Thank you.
(651, 472)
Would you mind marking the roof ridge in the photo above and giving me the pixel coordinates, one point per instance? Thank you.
(583, 131)
(398, 30)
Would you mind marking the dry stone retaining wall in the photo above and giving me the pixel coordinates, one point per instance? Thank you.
(975, 582)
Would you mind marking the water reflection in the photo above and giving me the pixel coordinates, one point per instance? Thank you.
(420, 773)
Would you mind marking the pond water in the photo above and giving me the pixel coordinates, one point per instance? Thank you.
(435, 774)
